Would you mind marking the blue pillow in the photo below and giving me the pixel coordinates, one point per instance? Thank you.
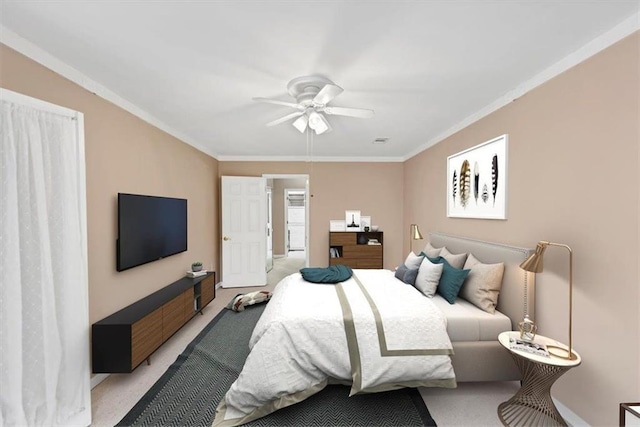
(400, 272)
(451, 280)
(407, 275)
(410, 276)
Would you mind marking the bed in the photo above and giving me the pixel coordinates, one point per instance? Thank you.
(375, 333)
(483, 358)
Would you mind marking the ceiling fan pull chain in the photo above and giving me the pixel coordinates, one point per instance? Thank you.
(309, 144)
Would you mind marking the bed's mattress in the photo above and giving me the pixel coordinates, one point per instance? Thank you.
(466, 322)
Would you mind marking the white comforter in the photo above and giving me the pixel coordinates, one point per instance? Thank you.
(372, 331)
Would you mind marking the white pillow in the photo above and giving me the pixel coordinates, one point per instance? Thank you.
(456, 261)
(431, 251)
(428, 277)
(483, 284)
(413, 261)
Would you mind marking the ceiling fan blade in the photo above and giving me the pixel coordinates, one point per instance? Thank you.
(285, 118)
(277, 102)
(327, 93)
(351, 112)
(301, 123)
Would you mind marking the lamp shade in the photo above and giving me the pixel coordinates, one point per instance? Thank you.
(415, 232)
(534, 262)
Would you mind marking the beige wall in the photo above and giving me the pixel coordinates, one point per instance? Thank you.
(279, 185)
(573, 178)
(373, 188)
(126, 154)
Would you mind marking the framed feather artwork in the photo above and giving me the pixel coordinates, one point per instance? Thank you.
(477, 181)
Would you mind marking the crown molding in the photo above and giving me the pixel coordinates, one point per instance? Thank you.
(603, 41)
(306, 159)
(44, 58)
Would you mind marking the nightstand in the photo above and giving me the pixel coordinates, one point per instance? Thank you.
(532, 404)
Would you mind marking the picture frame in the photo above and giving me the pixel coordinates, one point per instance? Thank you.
(337, 225)
(352, 220)
(365, 221)
(477, 181)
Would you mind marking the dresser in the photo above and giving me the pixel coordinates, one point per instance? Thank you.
(352, 248)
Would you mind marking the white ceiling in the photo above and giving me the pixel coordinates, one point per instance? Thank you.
(425, 67)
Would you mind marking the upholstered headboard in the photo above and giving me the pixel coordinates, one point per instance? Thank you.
(517, 295)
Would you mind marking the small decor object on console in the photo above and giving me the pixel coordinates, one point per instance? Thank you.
(193, 274)
(527, 329)
(196, 266)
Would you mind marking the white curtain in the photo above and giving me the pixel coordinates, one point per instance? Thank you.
(44, 323)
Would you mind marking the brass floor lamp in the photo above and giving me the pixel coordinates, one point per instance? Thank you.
(534, 264)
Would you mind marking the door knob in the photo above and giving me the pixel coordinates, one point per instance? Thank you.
(225, 238)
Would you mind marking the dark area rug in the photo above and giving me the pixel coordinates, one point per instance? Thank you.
(189, 392)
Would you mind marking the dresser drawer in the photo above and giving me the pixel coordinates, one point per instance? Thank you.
(172, 316)
(207, 290)
(146, 336)
(348, 262)
(187, 303)
(342, 238)
(362, 251)
(370, 263)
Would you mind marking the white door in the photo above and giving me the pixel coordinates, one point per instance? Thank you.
(269, 229)
(244, 207)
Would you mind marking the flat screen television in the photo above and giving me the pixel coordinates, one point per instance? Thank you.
(149, 228)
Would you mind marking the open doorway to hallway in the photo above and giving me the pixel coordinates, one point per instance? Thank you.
(288, 229)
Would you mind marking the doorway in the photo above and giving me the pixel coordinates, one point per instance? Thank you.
(289, 225)
(295, 221)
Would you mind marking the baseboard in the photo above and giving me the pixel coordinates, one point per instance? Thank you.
(97, 379)
(218, 285)
(278, 256)
(569, 416)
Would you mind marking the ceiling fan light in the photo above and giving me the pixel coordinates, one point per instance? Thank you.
(325, 130)
(318, 123)
(301, 123)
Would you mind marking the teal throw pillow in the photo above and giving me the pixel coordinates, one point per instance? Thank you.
(436, 260)
(451, 280)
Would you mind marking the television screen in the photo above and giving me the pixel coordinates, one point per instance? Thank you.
(149, 228)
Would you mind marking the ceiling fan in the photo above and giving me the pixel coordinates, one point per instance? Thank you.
(312, 94)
